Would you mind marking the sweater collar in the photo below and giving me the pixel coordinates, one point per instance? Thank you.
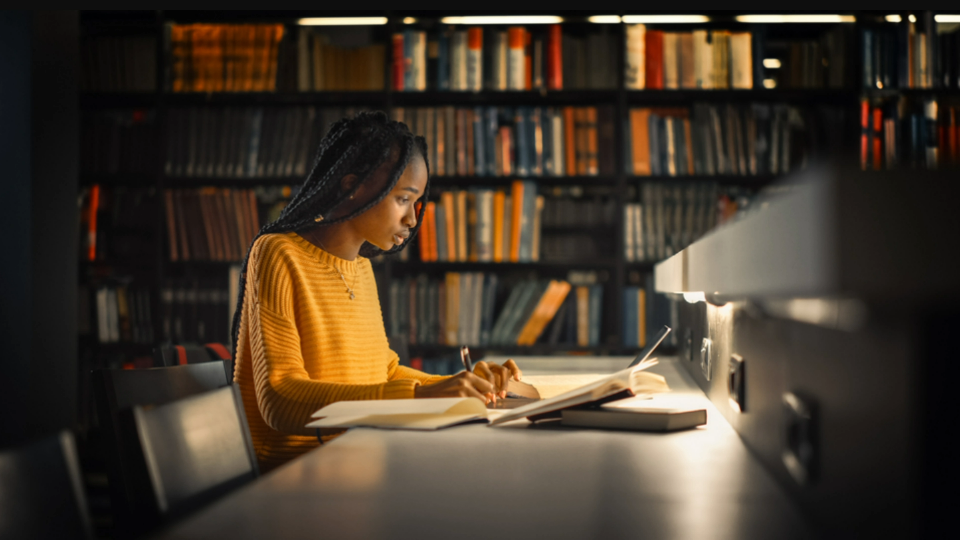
(327, 259)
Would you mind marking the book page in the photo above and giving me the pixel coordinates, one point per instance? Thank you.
(402, 406)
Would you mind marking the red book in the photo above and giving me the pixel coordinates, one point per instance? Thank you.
(952, 134)
(654, 60)
(92, 223)
(399, 62)
(877, 138)
(555, 58)
(864, 134)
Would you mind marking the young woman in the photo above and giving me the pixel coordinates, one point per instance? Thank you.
(308, 330)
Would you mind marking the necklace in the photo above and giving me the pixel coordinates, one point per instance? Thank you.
(343, 279)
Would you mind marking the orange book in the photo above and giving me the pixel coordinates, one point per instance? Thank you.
(864, 133)
(461, 221)
(277, 35)
(642, 318)
(498, 200)
(877, 139)
(516, 218)
(426, 239)
(640, 141)
(249, 44)
(93, 208)
(434, 249)
(506, 149)
(215, 65)
(592, 142)
(253, 217)
(545, 311)
(569, 136)
(178, 53)
(197, 57)
(446, 199)
(583, 316)
(239, 209)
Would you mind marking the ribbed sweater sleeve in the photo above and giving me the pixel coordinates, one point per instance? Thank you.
(304, 343)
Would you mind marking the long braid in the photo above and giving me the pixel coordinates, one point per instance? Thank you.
(359, 146)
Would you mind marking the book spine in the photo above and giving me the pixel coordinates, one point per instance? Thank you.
(475, 59)
(443, 61)
(516, 77)
(653, 64)
(635, 67)
(399, 63)
(554, 58)
(930, 138)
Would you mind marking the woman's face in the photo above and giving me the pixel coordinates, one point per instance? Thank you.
(388, 223)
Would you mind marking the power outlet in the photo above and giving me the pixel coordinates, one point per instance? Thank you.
(736, 383)
(706, 358)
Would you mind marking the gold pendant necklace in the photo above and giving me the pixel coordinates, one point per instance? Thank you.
(343, 279)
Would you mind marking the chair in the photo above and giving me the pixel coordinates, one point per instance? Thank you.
(41, 492)
(118, 389)
(181, 355)
(195, 450)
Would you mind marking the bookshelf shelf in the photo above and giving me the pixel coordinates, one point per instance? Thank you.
(417, 266)
(507, 180)
(357, 98)
(215, 181)
(722, 179)
(794, 96)
(118, 100)
(561, 97)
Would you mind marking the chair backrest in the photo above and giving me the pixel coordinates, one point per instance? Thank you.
(41, 492)
(195, 450)
(181, 355)
(118, 389)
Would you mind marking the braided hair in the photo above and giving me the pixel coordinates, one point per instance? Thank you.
(358, 146)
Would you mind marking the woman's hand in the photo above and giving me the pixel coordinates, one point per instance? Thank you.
(485, 383)
(498, 376)
(463, 384)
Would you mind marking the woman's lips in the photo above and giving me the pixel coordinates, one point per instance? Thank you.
(397, 239)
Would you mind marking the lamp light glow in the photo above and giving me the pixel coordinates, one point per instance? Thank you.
(342, 21)
(770, 83)
(694, 297)
(504, 19)
(604, 19)
(771, 63)
(942, 18)
(665, 19)
(409, 20)
(812, 18)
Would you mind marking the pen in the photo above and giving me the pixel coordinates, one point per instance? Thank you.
(465, 357)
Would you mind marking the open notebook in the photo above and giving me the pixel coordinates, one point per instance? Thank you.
(430, 414)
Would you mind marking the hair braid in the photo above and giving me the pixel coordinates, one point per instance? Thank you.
(358, 146)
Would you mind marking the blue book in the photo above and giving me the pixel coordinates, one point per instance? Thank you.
(254, 148)
(489, 301)
(493, 125)
(479, 144)
(664, 146)
(596, 309)
(410, 75)
(549, 167)
(526, 221)
(903, 57)
(867, 39)
(534, 118)
(627, 146)
(653, 130)
(759, 38)
(441, 219)
(630, 317)
(443, 61)
(522, 141)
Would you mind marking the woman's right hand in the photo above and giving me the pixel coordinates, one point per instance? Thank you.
(463, 384)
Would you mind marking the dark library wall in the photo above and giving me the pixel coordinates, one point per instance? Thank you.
(39, 149)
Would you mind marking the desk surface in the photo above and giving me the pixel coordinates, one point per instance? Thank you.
(545, 481)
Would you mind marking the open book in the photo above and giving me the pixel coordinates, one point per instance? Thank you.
(629, 382)
(419, 414)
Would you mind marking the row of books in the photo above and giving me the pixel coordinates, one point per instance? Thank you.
(520, 141)
(476, 309)
(118, 142)
(116, 223)
(710, 139)
(222, 57)
(246, 142)
(898, 133)
(911, 54)
(118, 63)
(310, 62)
(517, 58)
(814, 63)
(671, 217)
(210, 224)
(705, 59)
(483, 225)
(122, 314)
(196, 311)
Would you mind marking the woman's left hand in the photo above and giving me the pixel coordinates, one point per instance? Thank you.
(497, 375)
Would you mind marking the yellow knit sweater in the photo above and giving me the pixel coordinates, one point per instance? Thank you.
(305, 344)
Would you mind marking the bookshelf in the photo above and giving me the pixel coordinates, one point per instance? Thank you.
(828, 108)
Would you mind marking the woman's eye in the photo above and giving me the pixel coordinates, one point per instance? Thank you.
(404, 200)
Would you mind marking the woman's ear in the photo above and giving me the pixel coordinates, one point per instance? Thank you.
(348, 182)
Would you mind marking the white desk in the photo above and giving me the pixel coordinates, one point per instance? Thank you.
(518, 481)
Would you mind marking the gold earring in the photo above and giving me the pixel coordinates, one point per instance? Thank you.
(318, 219)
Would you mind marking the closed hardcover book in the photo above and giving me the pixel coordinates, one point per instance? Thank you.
(634, 418)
